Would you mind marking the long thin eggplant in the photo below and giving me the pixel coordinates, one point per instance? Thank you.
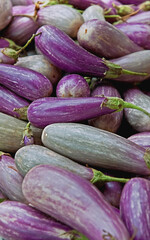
(5, 13)
(142, 139)
(25, 82)
(96, 147)
(74, 201)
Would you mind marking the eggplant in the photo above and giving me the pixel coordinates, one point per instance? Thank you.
(72, 85)
(93, 12)
(10, 179)
(64, 53)
(135, 208)
(7, 43)
(86, 3)
(22, 2)
(5, 13)
(142, 139)
(20, 222)
(40, 64)
(11, 133)
(96, 147)
(25, 82)
(139, 33)
(110, 122)
(81, 205)
(142, 17)
(136, 2)
(138, 61)
(5, 59)
(136, 119)
(95, 36)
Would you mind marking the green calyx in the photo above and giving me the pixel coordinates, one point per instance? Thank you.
(98, 176)
(74, 235)
(3, 153)
(27, 132)
(12, 44)
(123, 10)
(22, 112)
(145, 6)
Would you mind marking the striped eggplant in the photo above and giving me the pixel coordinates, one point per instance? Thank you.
(7, 43)
(96, 147)
(5, 13)
(73, 201)
(142, 17)
(135, 208)
(142, 139)
(25, 82)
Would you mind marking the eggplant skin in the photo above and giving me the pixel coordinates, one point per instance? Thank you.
(135, 207)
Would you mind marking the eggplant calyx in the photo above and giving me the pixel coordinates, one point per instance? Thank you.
(147, 157)
(3, 153)
(123, 10)
(74, 235)
(11, 53)
(12, 44)
(27, 138)
(145, 6)
(22, 112)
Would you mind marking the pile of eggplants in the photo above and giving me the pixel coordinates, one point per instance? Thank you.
(74, 120)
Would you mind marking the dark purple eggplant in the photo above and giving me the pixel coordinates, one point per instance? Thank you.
(138, 61)
(139, 33)
(81, 205)
(10, 179)
(135, 208)
(136, 2)
(95, 35)
(64, 53)
(139, 121)
(96, 147)
(86, 3)
(11, 133)
(93, 12)
(72, 85)
(142, 139)
(110, 122)
(5, 13)
(21, 222)
(40, 64)
(25, 82)
(142, 17)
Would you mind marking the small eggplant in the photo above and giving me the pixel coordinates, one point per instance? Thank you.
(5, 13)
(93, 12)
(142, 139)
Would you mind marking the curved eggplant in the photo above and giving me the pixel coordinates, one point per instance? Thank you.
(5, 13)
(81, 205)
(142, 139)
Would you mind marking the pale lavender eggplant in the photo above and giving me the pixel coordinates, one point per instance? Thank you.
(40, 64)
(9, 100)
(61, 16)
(96, 147)
(93, 12)
(135, 208)
(112, 192)
(81, 205)
(72, 85)
(21, 28)
(10, 179)
(22, 2)
(138, 61)
(25, 82)
(20, 222)
(137, 120)
(110, 122)
(142, 139)
(5, 13)
(139, 33)
(5, 59)
(95, 36)
(142, 17)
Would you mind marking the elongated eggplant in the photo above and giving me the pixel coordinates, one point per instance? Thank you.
(96, 147)
(20, 221)
(81, 205)
(138, 61)
(64, 53)
(10, 179)
(5, 13)
(136, 119)
(142, 17)
(136, 2)
(94, 35)
(142, 139)
(135, 208)
(11, 133)
(25, 82)
(93, 12)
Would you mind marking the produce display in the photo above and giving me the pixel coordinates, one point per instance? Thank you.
(74, 120)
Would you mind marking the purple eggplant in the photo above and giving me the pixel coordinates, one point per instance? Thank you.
(5, 13)
(136, 119)
(64, 53)
(22, 2)
(9, 101)
(25, 82)
(86, 3)
(142, 139)
(138, 61)
(135, 208)
(95, 35)
(21, 222)
(93, 12)
(136, 2)
(7, 43)
(110, 122)
(142, 17)
(96, 147)
(72, 85)
(10, 179)
(139, 33)
(81, 205)
(40, 64)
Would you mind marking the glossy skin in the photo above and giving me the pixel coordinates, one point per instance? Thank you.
(93, 12)
(80, 205)
(96, 147)
(135, 208)
(142, 139)
(20, 222)
(137, 120)
(5, 13)
(25, 82)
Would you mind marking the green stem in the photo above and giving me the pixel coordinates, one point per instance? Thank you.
(99, 176)
(113, 16)
(22, 112)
